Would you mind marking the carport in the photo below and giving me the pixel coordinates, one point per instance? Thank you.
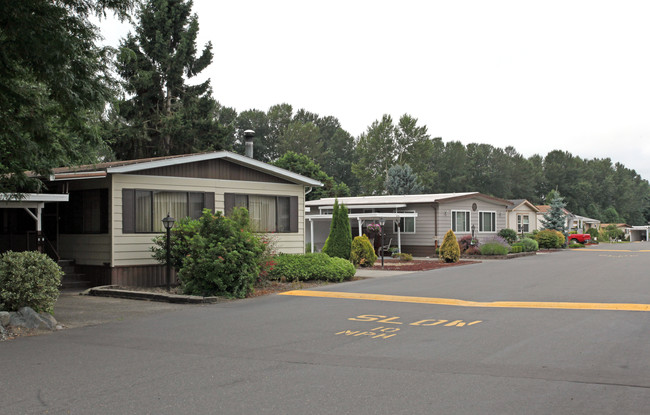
(33, 204)
(361, 218)
(639, 233)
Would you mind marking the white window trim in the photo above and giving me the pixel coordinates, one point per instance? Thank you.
(402, 231)
(521, 224)
(495, 220)
(469, 224)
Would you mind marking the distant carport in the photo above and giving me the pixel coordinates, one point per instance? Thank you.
(361, 218)
(639, 233)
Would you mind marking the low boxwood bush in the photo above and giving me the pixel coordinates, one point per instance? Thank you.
(307, 267)
(515, 249)
(493, 248)
(405, 257)
(363, 253)
(576, 245)
(530, 245)
(28, 279)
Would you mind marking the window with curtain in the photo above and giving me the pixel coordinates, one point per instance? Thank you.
(487, 222)
(460, 220)
(267, 213)
(151, 206)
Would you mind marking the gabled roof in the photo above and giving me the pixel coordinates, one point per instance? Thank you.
(130, 166)
(518, 202)
(383, 200)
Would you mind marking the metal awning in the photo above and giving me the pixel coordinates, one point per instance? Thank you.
(361, 217)
(30, 201)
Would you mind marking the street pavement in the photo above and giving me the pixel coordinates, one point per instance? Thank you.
(520, 336)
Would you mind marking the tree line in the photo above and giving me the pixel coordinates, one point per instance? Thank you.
(62, 104)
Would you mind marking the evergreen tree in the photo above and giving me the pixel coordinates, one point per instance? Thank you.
(301, 164)
(54, 84)
(402, 180)
(555, 218)
(162, 114)
(339, 241)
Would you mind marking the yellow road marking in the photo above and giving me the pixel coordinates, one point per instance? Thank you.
(609, 250)
(463, 303)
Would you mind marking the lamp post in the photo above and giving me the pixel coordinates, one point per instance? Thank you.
(382, 222)
(168, 223)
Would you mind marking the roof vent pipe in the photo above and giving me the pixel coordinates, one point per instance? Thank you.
(248, 140)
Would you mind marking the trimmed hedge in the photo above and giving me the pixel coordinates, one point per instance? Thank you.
(493, 248)
(28, 279)
(307, 267)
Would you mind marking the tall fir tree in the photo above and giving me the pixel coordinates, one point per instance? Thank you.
(339, 241)
(161, 113)
(555, 218)
(402, 180)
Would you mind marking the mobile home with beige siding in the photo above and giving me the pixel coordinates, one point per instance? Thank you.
(415, 223)
(116, 208)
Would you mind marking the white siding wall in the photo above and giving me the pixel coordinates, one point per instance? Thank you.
(134, 249)
(522, 210)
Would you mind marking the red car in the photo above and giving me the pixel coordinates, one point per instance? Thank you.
(581, 238)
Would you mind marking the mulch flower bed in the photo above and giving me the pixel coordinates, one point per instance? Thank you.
(417, 265)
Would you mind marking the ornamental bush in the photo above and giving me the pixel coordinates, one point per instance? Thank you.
(311, 266)
(466, 242)
(363, 253)
(508, 234)
(549, 239)
(530, 245)
(339, 241)
(450, 251)
(180, 236)
(223, 258)
(493, 248)
(515, 249)
(28, 279)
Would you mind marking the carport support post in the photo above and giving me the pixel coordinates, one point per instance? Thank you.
(382, 222)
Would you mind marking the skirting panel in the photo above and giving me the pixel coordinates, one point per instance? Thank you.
(141, 276)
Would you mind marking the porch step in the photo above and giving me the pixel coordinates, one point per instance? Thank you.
(72, 279)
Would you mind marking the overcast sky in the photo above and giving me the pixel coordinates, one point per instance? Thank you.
(540, 76)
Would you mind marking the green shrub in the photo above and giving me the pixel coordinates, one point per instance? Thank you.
(180, 236)
(339, 242)
(516, 248)
(576, 245)
(28, 279)
(450, 251)
(363, 253)
(549, 239)
(224, 258)
(316, 266)
(529, 244)
(509, 235)
(594, 234)
(405, 257)
(493, 248)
